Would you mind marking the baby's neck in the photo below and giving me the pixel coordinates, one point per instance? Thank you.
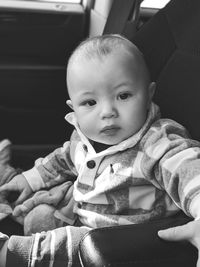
(98, 147)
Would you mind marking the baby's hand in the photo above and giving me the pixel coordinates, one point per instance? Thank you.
(189, 232)
(17, 185)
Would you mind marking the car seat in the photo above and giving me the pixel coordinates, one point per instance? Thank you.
(170, 42)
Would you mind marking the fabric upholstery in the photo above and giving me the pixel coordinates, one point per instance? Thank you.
(171, 46)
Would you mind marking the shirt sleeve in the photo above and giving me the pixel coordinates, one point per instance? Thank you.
(172, 160)
(54, 169)
(56, 248)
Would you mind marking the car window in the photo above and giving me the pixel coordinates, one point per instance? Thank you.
(60, 1)
(55, 1)
(28, 3)
(61, 6)
(154, 3)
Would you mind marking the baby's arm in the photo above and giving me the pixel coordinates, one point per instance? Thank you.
(49, 171)
(59, 247)
(171, 161)
(54, 169)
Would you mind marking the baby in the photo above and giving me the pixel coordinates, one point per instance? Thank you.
(130, 166)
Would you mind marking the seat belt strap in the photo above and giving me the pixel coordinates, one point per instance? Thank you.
(118, 17)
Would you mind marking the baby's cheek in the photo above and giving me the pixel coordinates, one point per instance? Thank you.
(87, 123)
(85, 126)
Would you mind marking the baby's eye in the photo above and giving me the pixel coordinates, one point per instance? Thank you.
(124, 96)
(89, 103)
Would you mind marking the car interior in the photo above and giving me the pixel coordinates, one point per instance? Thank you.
(37, 38)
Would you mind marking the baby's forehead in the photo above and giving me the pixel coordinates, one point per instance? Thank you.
(82, 56)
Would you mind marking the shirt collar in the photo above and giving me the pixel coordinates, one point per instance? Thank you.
(71, 118)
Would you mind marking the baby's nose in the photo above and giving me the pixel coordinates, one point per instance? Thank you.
(108, 111)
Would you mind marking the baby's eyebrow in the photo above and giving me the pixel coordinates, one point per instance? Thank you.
(85, 94)
(123, 84)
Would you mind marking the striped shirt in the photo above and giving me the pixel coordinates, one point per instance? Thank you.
(152, 174)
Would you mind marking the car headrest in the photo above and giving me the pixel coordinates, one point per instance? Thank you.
(170, 42)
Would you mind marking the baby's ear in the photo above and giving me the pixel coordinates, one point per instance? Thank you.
(69, 103)
(152, 89)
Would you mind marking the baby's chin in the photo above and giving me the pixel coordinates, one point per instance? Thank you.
(111, 140)
(108, 142)
(116, 142)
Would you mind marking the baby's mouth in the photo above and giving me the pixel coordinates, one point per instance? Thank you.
(110, 130)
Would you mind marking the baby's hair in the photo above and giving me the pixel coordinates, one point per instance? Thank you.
(101, 46)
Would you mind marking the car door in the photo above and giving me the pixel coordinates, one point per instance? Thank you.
(36, 39)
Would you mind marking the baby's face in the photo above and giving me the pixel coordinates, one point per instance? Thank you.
(109, 98)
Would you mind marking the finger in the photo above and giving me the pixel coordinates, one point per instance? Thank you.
(19, 210)
(7, 187)
(178, 233)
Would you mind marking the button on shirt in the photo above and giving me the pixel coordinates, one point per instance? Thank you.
(91, 164)
(88, 171)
